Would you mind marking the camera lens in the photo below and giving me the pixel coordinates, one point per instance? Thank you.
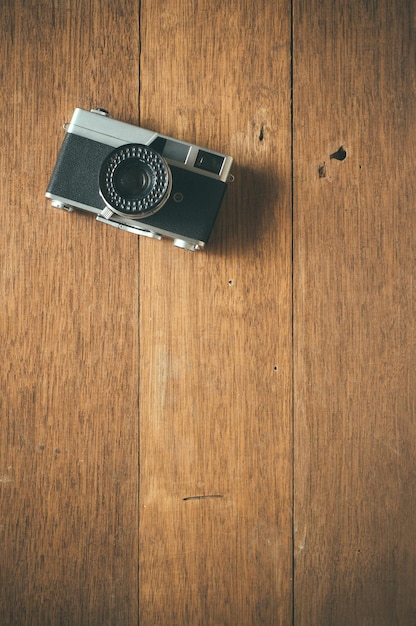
(131, 178)
(135, 181)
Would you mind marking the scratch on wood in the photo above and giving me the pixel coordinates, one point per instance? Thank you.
(6, 479)
(201, 497)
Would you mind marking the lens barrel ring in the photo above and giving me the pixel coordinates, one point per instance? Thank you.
(135, 181)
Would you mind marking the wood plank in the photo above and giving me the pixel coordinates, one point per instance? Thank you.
(215, 327)
(69, 338)
(355, 227)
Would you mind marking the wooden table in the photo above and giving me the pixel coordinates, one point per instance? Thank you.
(224, 437)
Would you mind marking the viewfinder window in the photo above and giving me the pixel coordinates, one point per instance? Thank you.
(175, 150)
(209, 162)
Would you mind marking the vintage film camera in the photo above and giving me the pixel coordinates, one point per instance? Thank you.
(139, 181)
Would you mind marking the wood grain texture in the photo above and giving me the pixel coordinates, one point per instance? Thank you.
(215, 327)
(178, 402)
(355, 227)
(69, 337)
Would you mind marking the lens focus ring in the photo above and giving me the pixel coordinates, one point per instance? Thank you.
(135, 181)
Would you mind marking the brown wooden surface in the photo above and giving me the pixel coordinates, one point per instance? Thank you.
(69, 336)
(354, 267)
(215, 328)
(185, 439)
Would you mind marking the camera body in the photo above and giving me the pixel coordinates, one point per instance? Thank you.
(138, 180)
